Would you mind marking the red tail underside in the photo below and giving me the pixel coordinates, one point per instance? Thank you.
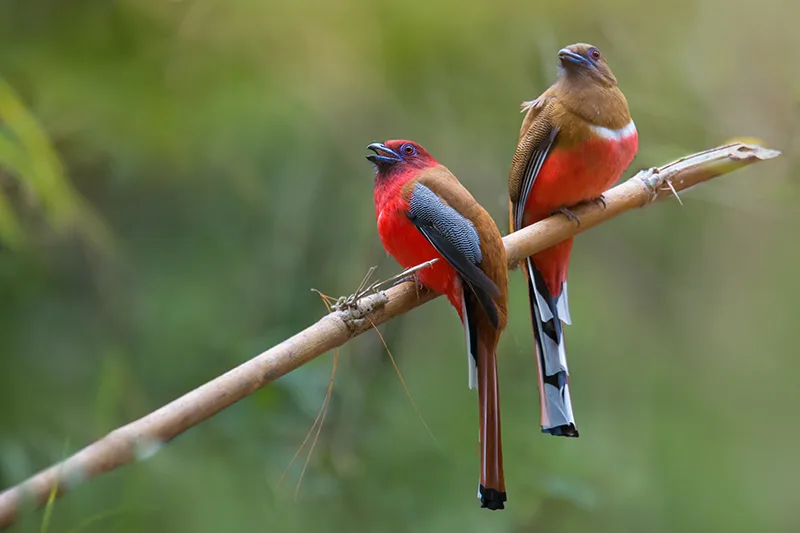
(553, 264)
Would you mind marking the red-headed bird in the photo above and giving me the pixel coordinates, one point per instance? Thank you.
(423, 213)
(575, 141)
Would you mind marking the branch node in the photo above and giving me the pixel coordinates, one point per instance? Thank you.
(354, 314)
(145, 447)
(651, 180)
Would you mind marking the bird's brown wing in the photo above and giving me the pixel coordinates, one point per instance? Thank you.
(532, 150)
(533, 108)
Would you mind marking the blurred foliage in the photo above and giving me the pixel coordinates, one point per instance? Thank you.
(176, 175)
(26, 153)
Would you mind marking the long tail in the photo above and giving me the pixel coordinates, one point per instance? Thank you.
(482, 342)
(493, 486)
(547, 314)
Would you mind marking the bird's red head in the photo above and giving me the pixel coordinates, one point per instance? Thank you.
(398, 157)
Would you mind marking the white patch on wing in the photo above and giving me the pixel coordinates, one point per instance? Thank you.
(615, 135)
(472, 361)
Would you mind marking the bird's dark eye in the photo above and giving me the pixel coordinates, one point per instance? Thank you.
(408, 149)
(594, 53)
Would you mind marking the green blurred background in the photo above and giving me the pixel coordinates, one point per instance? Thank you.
(175, 176)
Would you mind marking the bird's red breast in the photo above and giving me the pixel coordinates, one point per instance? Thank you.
(403, 241)
(581, 171)
(571, 175)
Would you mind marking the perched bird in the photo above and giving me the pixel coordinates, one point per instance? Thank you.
(425, 213)
(575, 141)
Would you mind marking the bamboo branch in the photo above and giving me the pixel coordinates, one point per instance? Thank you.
(142, 438)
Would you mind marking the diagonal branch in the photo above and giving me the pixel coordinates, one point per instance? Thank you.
(141, 438)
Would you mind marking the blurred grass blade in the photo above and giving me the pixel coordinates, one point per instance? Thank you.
(10, 230)
(12, 160)
(51, 499)
(26, 152)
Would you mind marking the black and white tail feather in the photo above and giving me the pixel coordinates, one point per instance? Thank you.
(547, 314)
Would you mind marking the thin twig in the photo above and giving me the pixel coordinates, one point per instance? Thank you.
(403, 383)
(141, 438)
(323, 410)
(672, 188)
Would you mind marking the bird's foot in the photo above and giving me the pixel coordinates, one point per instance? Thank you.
(601, 200)
(413, 278)
(411, 275)
(572, 217)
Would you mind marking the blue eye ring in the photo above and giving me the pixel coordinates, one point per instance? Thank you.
(594, 54)
(408, 149)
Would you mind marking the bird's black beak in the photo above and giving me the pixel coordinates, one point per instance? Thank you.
(383, 154)
(568, 57)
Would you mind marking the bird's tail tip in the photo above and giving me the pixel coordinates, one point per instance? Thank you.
(556, 416)
(491, 499)
(566, 430)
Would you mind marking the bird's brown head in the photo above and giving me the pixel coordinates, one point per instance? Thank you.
(584, 60)
(399, 157)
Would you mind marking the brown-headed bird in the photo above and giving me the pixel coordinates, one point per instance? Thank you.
(575, 141)
(425, 213)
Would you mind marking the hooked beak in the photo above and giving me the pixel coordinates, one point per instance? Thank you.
(568, 56)
(383, 154)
